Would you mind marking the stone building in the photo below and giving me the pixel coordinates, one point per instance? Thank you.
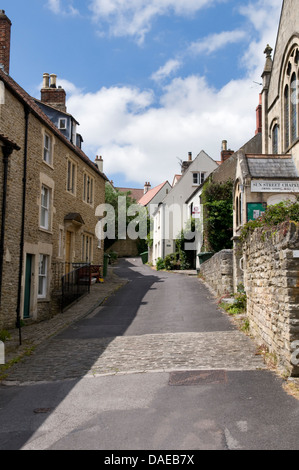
(50, 190)
(280, 112)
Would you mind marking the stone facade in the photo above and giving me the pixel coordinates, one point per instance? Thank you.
(59, 216)
(218, 272)
(271, 277)
(280, 107)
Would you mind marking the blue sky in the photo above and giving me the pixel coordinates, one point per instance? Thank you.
(149, 81)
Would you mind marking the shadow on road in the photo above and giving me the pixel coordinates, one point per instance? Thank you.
(68, 355)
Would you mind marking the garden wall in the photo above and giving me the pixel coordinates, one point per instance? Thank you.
(218, 272)
(271, 279)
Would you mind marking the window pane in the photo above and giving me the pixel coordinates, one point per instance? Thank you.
(44, 211)
(294, 107)
(286, 117)
(47, 148)
(275, 140)
(42, 277)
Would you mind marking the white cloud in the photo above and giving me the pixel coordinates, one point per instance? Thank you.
(56, 7)
(263, 16)
(217, 41)
(166, 70)
(144, 141)
(134, 17)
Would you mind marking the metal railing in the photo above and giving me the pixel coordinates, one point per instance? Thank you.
(75, 284)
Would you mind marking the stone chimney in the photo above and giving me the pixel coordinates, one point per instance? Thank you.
(52, 95)
(259, 117)
(5, 29)
(185, 165)
(147, 187)
(225, 154)
(99, 163)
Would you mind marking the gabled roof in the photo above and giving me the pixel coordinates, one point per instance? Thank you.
(135, 193)
(28, 101)
(147, 197)
(176, 178)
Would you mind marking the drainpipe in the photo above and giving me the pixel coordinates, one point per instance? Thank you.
(7, 150)
(18, 322)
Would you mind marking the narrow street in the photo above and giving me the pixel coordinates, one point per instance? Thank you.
(156, 367)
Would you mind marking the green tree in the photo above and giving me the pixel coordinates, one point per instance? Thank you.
(217, 200)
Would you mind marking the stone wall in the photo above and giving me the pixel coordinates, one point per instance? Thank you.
(218, 272)
(271, 278)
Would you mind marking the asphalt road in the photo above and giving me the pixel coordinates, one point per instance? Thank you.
(158, 367)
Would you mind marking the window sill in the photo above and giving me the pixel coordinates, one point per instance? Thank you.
(45, 230)
(43, 300)
(71, 193)
(49, 165)
(91, 205)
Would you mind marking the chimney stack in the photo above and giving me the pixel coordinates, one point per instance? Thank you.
(185, 165)
(259, 116)
(147, 187)
(52, 95)
(5, 30)
(225, 154)
(99, 163)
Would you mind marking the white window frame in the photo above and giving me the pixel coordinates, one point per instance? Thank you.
(43, 276)
(47, 155)
(87, 248)
(45, 207)
(198, 178)
(88, 188)
(71, 175)
(62, 125)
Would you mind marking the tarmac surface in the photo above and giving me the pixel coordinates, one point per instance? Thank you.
(146, 361)
(93, 338)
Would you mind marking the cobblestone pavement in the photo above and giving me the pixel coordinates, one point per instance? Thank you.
(38, 333)
(66, 359)
(57, 358)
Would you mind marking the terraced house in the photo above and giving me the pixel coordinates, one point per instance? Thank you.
(49, 190)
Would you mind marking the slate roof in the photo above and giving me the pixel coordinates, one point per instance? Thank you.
(271, 166)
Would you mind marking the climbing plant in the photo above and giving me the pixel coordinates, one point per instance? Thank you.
(217, 200)
(282, 213)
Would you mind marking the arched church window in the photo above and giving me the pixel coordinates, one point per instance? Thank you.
(237, 212)
(275, 140)
(293, 106)
(286, 117)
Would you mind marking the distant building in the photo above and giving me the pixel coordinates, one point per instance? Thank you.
(172, 214)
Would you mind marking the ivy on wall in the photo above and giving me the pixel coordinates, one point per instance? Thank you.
(275, 215)
(217, 200)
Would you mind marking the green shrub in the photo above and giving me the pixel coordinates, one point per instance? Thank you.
(172, 261)
(274, 215)
(160, 264)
